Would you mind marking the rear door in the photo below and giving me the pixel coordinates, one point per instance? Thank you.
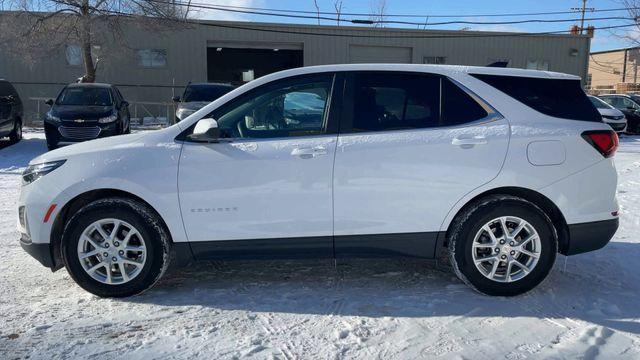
(410, 146)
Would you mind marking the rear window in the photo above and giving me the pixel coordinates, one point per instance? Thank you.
(554, 97)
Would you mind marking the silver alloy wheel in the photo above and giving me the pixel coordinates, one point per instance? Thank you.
(112, 251)
(506, 249)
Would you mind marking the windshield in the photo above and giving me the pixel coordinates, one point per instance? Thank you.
(85, 96)
(599, 104)
(204, 92)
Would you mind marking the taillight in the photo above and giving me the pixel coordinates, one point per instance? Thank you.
(605, 141)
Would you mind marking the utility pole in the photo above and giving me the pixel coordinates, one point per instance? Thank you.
(582, 10)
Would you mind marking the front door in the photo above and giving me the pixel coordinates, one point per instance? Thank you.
(266, 187)
(410, 147)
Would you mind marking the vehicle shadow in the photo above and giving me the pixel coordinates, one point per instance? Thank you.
(592, 288)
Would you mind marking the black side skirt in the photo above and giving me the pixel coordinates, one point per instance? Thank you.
(414, 245)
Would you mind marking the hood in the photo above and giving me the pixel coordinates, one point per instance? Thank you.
(94, 146)
(194, 105)
(72, 112)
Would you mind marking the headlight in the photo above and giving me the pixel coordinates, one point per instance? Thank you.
(36, 171)
(183, 113)
(108, 119)
(52, 118)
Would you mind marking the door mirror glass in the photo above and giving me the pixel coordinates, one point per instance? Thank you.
(206, 130)
(49, 102)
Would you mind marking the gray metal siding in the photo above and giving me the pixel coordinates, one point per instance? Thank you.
(187, 54)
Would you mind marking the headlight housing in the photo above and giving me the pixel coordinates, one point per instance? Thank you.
(52, 117)
(109, 119)
(183, 113)
(36, 171)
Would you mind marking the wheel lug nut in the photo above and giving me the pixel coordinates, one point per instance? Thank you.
(497, 250)
(114, 258)
(512, 243)
(105, 255)
(513, 252)
(503, 257)
(106, 245)
(502, 242)
(116, 243)
(121, 252)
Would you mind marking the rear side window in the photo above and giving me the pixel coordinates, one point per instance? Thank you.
(392, 101)
(554, 97)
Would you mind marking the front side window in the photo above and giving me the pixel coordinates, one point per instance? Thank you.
(152, 57)
(293, 107)
(85, 96)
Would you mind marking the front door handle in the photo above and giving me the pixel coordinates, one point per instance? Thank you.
(311, 152)
(469, 142)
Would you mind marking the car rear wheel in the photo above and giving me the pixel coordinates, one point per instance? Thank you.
(502, 245)
(115, 247)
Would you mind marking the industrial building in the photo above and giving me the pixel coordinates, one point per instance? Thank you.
(156, 65)
(614, 71)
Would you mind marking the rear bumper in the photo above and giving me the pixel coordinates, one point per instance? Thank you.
(590, 236)
(40, 252)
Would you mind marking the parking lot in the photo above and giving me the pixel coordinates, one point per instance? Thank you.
(588, 307)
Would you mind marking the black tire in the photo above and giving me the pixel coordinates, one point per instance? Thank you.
(470, 221)
(16, 134)
(148, 224)
(52, 138)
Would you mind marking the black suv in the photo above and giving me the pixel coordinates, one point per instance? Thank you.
(84, 112)
(10, 112)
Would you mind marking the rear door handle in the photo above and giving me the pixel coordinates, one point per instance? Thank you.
(469, 142)
(307, 153)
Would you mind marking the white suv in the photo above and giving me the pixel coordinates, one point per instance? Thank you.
(496, 170)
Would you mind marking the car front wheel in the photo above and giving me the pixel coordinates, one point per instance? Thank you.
(502, 245)
(115, 247)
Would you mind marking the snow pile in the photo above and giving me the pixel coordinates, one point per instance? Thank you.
(363, 309)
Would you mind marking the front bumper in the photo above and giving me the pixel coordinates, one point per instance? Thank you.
(590, 236)
(40, 252)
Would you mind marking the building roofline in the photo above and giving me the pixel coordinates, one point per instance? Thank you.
(376, 29)
(244, 25)
(615, 50)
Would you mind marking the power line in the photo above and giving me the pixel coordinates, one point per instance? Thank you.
(370, 22)
(407, 15)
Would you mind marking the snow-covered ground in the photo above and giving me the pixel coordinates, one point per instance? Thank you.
(588, 308)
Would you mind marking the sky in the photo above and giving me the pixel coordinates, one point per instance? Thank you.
(603, 40)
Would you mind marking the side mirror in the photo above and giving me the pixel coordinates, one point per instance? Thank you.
(206, 130)
(49, 102)
(125, 103)
(176, 98)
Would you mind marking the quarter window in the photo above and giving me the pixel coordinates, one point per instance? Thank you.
(458, 107)
(285, 109)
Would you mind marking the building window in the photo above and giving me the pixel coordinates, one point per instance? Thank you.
(152, 57)
(536, 64)
(73, 55)
(587, 84)
(434, 60)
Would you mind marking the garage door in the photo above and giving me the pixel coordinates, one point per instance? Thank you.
(379, 54)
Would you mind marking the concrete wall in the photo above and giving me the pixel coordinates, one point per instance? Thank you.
(187, 54)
